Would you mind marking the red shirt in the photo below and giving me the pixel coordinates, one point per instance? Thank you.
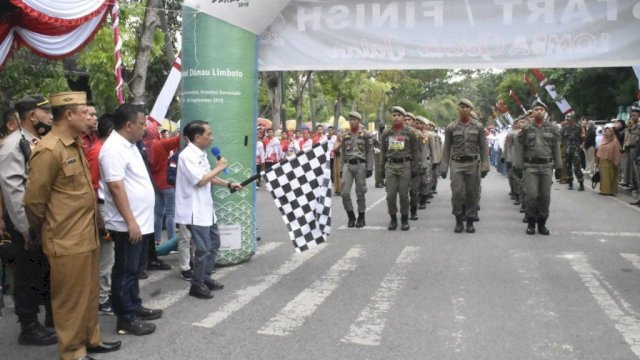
(158, 154)
(94, 164)
(88, 140)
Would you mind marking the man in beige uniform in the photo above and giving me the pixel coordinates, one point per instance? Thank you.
(357, 157)
(464, 145)
(61, 209)
(428, 151)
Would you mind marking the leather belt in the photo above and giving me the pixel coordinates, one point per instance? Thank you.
(464, 158)
(100, 201)
(398, 161)
(538, 160)
(356, 161)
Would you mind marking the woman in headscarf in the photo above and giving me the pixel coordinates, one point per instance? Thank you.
(608, 160)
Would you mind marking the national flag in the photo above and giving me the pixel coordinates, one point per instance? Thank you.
(301, 189)
(159, 110)
(561, 102)
(532, 87)
(517, 100)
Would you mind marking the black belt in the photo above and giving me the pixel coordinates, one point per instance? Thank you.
(465, 158)
(398, 161)
(538, 160)
(100, 201)
(356, 161)
(630, 146)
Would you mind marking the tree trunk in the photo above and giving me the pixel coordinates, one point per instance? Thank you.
(139, 76)
(301, 84)
(273, 80)
(337, 107)
(168, 49)
(312, 107)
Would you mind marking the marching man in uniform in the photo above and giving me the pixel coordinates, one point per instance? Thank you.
(357, 157)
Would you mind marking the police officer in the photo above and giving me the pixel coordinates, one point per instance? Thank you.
(571, 142)
(31, 288)
(414, 185)
(537, 154)
(400, 156)
(465, 148)
(634, 117)
(377, 155)
(357, 158)
(60, 205)
(436, 157)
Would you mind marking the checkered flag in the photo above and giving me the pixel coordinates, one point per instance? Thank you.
(301, 189)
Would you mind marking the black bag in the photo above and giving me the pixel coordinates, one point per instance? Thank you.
(172, 168)
(595, 179)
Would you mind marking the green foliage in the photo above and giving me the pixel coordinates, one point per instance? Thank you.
(25, 73)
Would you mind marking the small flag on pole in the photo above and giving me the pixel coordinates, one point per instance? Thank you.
(301, 189)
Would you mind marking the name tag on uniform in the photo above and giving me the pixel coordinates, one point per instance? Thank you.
(396, 142)
(71, 161)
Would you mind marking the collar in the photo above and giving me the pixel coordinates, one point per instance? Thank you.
(64, 138)
(196, 150)
(121, 139)
(32, 139)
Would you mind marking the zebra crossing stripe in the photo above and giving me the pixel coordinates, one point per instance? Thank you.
(627, 325)
(172, 297)
(634, 259)
(305, 304)
(367, 328)
(246, 295)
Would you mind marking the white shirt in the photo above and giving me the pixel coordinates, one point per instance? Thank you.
(121, 160)
(194, 205)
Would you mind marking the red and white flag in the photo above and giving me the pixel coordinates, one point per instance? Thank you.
(562, 103)
(159, 110)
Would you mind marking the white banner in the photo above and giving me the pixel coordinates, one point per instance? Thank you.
(361, 34)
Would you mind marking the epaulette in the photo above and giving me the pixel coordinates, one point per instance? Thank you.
(48, 142)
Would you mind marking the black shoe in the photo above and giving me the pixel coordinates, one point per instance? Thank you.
(106, 308)
(360, 222)
(542, 229)
(48, 320)
(33, 333)
(105, 347)
(148, 314)
(352, 219)
(470, 229)
(142, 275)
(258, 238)
(476, 219)
(531, 228)
(570, 187)
(393, 224)
(404, 222)
(158, 265)
(135, 327)
(637, 202)
(525, 220)
(414, 213)
(379, 186)
(200, 292)
(213, 285)
(459, 225)
(581, 187)
(186, 275)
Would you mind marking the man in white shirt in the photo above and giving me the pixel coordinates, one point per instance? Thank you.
(194, 205)
(129, 202)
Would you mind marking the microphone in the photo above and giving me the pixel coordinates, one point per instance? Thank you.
(218, 154)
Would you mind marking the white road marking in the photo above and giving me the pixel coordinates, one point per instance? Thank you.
(376, 203)
(627, 324)
(153, 277)
(246, 295)
(634, 259)
(367, 328)
(604, 233)
(172, 297)
(305, 304)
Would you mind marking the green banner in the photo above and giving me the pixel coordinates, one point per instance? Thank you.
(219, 85)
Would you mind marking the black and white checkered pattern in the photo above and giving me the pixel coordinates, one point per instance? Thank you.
(301, 189)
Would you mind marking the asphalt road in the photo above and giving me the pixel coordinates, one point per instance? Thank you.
(426, 293)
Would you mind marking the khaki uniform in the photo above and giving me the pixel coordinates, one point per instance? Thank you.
(60, 206)
(436, 159)
(377, 157)
(416, 177)
(357, 157)
(428, 152)
(400, 154)
(537, 152)
(465, 149)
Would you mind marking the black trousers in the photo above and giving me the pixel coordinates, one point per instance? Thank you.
(32, 287)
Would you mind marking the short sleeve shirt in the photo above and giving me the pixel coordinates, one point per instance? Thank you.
(121, 160)
(194, 204)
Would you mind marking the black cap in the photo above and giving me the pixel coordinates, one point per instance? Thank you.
(31, 102)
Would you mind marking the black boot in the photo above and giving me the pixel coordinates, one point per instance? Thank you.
(393, 224)
(542, 229)
(414, 213)
(470, 228)
(459, 225)
(360, 223)
(570, 185)
(581, 187)
(352, 219)
(531, 227)
(404, 220)
(422, 203)
(517, 200)
(33, 333)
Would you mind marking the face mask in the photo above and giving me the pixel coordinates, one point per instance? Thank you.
(42, 128)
